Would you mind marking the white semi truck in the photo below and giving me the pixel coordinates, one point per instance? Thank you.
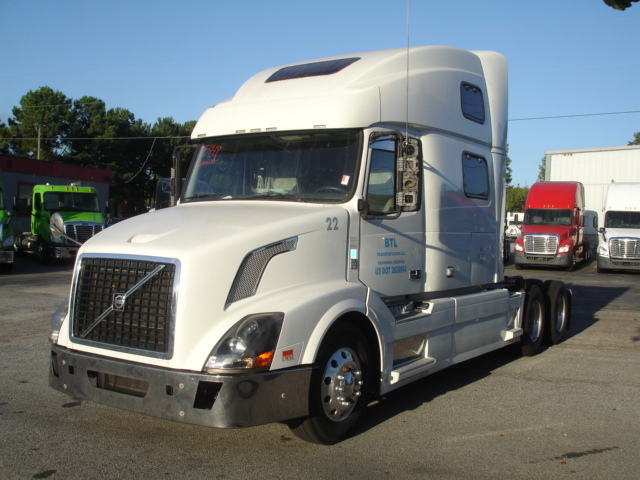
(619, 241)
(339, 236)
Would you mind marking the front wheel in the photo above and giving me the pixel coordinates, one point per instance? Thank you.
(341, 386)
(42, 254)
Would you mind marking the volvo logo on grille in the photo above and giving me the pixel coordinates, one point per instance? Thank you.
(119, 300)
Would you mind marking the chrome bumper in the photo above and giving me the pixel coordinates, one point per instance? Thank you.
(226, 401)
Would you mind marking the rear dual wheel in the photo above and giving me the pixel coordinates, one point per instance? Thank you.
(533, 322)
(558, 310)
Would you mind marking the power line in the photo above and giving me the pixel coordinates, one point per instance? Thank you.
(180, 137)
(572, 116)
(97, 138)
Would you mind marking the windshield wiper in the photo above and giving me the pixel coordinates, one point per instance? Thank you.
(272, 196)
(202, 196)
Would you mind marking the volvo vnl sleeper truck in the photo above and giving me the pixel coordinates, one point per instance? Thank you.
(552, 233)
(619, 242)
(329, 246)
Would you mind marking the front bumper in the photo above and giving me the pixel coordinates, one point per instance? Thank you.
(226, 401)
(6, 256)
(606, 263)
(561, 260)
(62, 252)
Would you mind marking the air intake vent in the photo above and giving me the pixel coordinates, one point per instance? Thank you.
(250, 272)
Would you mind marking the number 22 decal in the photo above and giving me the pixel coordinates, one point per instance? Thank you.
(332, 223)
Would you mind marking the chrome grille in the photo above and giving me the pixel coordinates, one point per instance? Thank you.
(627, 248)
(541, 244)
(81, 232)
(143, 321)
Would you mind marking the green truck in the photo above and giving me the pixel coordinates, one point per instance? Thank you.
(6, 235)
(62, 219)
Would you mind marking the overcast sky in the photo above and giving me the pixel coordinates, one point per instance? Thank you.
(575, 61)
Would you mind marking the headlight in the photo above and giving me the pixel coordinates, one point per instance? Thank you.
(565, 248)
(55, 239)
(57, 319)
(519, 248)
(603, 252)
(250, 343)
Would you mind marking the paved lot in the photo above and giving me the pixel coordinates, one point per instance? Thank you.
(573, 411)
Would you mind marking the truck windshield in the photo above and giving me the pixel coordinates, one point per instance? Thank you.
(547, 216)
(319, 166)
(615, 219)
(71, 202)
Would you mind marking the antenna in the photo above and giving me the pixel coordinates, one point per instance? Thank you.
(407, 79)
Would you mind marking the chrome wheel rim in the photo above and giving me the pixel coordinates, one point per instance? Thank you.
(341, 384)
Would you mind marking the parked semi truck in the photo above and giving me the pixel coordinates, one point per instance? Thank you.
(329, 246)
(619, 242)
(6, 235)
(552, 233)
(62, 219)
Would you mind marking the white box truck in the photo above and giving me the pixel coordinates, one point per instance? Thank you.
(619, 242)
(339, 236)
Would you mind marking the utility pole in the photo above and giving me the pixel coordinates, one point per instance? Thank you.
(39, 127)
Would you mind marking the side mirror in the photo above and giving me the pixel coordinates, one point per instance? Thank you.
(408, 175)
(601, 230)
(363, 208)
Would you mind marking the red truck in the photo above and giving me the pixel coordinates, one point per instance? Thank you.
(553, 227)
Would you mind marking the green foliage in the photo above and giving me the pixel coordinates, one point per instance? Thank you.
(635, 141)
(83, 132)
(542, 169)
(620, 4)
(516, 197)
(45, 113)
(508, 172)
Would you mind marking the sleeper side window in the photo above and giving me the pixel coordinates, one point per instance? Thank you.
(475, 175)
(472, 102)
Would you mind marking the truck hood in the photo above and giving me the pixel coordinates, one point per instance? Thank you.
(199, 228)
(621, 233)
(209, 241)
(563, 232)
(89, 217)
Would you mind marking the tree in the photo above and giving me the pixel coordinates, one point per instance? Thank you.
(516, 198)
(542, 169)
(636, 139)
(508, 172)
(83, 132)
(620, 4)
(5, 134)
(44, 114)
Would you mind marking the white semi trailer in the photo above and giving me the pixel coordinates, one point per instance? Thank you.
(339, 236)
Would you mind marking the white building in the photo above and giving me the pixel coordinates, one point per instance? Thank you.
(595, 168)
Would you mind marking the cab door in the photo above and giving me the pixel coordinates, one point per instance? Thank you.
(392, 237)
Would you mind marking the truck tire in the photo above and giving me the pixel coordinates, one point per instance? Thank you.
(41, 252)
(558, 310)
(341, 386)
(572, 265)
(533, 321)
